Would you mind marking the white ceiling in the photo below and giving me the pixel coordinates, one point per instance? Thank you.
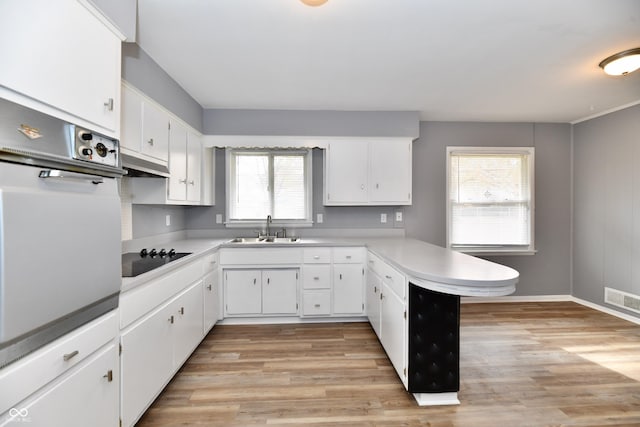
(462, 60)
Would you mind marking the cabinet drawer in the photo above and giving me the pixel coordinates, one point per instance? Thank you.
(317, 255)
(23, 377)
(348, 255)
(210, 262)
(316, 303)
(376, 264)
(316, 277)
(394, 279)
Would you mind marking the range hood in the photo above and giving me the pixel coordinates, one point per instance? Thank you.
(137, 166)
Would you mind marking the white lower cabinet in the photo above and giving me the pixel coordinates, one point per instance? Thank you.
(374, 289)
(155, 347)
(393, 330)
(255, 292)
(348, 285)
(316, 303)
(243, 291)
(211, 299)
(73, 381)
(387, 311)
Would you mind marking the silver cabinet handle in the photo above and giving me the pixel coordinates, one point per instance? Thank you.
(348, 256)
(209, 287)
(192, 182)
(388, 277)
(375, 289)
(182, 181)
(109, 104)
(171, 319)
(268, 280)
(70, 356)
(316, 305)
(108, 375)
(150, 141)
(316, 278)
(340, 276)
(181, 311)
(254, 281)
(58, 174)
(316, 257)
(371, 261)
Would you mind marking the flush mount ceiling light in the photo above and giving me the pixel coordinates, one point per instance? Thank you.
(622, 63)
(314, 2)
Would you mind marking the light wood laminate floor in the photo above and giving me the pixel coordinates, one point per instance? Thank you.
(522, 364)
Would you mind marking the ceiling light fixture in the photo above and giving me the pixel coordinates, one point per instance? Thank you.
(622, 63)
(314, 2)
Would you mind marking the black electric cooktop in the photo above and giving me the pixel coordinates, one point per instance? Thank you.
(136, 263)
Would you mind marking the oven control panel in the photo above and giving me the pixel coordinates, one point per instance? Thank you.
(95, 148)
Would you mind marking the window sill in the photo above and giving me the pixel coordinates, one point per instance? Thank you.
(496, 252)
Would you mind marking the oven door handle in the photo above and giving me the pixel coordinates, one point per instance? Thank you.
(55, 173)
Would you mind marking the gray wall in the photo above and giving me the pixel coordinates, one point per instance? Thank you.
(548, 271)
(149, 220)
(311, 123)
(139, 69)
(606, 237)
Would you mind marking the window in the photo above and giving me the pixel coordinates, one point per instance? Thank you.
(274, 182)
(490, 199)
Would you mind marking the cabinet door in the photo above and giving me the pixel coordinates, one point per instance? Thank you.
(155, 132)
(84, 397)
(177, 161)
(390, 172)
(146, 362)
(243, 291)
(280, 291)
(374, 284)
(345, 173)
(211, 300)
(59, 53)
(187, 331)
(348, 283)
(130, 129)
(393, 329)
(194, 167)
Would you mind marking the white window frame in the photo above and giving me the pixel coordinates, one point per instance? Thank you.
(495, 249)
(259, 223)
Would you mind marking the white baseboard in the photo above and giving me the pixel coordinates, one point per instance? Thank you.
(551, 298)
(607, 310)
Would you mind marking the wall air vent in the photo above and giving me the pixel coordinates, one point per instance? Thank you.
(622, 299)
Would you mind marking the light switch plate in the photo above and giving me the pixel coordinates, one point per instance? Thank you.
(398, 216)
(168, 220)
(218, 218)
(383, 218)
(319, 218)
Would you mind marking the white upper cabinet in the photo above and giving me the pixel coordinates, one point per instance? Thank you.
(194, 167)
(346, 173)
(177, 161)
(185, 164)
(61, 58)
(368, 172)
(390, 172)
(145, 128)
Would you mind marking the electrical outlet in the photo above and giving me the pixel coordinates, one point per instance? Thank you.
(168, 220)
(383, 218)
(319, 218)
(218, 218)
(398, 216)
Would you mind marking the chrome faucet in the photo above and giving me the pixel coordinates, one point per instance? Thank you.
(269, 225)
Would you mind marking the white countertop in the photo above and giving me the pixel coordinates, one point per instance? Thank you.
(426, 265)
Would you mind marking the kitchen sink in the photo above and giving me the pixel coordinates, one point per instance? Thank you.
(264, 239)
